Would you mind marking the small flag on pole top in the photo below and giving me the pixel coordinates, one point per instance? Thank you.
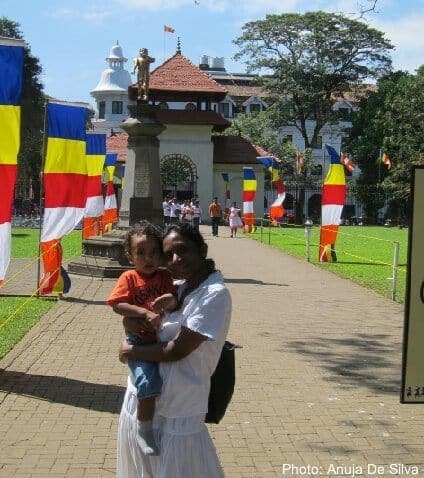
(349, 164)
(386, 160)
(299, 162)
(168, 29)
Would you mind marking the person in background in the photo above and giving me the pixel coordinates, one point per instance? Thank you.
(215, 213)
(196, 214)
(166, 211)
(234, 218)
(174, 210)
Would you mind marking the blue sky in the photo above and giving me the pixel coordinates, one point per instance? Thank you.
(73, 38)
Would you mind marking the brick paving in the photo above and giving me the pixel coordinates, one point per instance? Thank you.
(318, 379)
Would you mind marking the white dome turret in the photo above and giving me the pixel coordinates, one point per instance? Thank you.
(114, 78)
(116, 53)
(111, 92)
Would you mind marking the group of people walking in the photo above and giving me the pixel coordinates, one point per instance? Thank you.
(189, 211)
(175, 211)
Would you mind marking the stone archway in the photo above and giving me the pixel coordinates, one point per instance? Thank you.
(179, 176)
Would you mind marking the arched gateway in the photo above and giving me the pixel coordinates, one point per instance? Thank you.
(179, 176)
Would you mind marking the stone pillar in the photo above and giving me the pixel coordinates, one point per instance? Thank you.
(103, 256)
(142, 193)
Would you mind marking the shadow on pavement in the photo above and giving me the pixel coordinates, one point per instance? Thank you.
(83, 301)
(92, 396)
(252, 281)
(356, 361)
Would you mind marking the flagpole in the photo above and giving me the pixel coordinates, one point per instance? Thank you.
(41, 199)
(379, 165)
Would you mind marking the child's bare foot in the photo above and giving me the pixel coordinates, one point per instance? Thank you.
(145, 438)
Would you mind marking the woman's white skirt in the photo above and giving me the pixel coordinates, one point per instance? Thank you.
(186, 449)
(235, 222)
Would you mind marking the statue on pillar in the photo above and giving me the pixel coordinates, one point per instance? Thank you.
(142, 65)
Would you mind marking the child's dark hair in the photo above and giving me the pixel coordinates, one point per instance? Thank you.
(190, 233)
(142, 228)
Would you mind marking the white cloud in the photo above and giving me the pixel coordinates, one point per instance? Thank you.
(407, 35)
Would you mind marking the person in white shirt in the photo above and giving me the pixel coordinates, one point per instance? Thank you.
(166, 211)
(175, 208)
(234, 218)
(196, 214)
(191, 340)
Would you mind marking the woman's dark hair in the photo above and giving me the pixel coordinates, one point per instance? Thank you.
(190, 233)
(142, 228)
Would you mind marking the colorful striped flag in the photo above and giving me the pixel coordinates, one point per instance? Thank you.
(65, 187)
(94, 207)
(168, 29)
(249, 190)
(299, 162)
(333, 199)
(110, 214)
(349, 165)
(11, 74)
(276, 210)
(227, 205)
(386, 160)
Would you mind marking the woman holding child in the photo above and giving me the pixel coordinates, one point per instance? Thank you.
(190, 339)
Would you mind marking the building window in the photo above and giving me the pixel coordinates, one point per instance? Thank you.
(163, 105)
(288, 138)
(102, 109)
(190, 107)
(224, 109)
(318, 143)
(117, 107)
(255, 107)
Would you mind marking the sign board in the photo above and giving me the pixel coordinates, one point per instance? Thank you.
(413, 339)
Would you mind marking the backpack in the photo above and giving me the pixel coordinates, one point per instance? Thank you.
(222, 384)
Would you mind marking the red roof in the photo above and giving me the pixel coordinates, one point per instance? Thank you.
(179, 74)
(192, 118)
(117, 143)
(236, 150)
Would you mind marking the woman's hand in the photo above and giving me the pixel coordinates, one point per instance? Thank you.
(125, 350)
(135, 325)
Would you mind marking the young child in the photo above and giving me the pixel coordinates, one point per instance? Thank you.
(144, 293)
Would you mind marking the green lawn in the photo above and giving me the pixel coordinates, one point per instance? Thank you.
(364, 253)
(25, 243)
(19, 314)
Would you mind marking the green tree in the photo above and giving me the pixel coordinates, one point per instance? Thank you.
(32, 110)
(389, 120)
(309, 60)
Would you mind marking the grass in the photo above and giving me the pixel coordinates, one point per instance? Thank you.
(25, 243)
(19, 314)
(364, 253)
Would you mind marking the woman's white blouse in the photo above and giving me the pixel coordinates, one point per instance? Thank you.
(186, 382)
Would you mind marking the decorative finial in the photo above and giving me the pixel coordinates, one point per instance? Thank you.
(178, 46)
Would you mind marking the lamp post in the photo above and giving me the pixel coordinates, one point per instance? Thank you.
(308, 231)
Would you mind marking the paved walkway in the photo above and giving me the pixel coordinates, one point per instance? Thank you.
(317, 386)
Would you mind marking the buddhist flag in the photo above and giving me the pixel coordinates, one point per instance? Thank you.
(333, 199)
(11, 73)
(249, 190)
(386, 160)
(349, 165)
(276, 210)
(94, 207)
(65, 187)
(110, 214)
(168, 29)
(226, 179)
(299, 162)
